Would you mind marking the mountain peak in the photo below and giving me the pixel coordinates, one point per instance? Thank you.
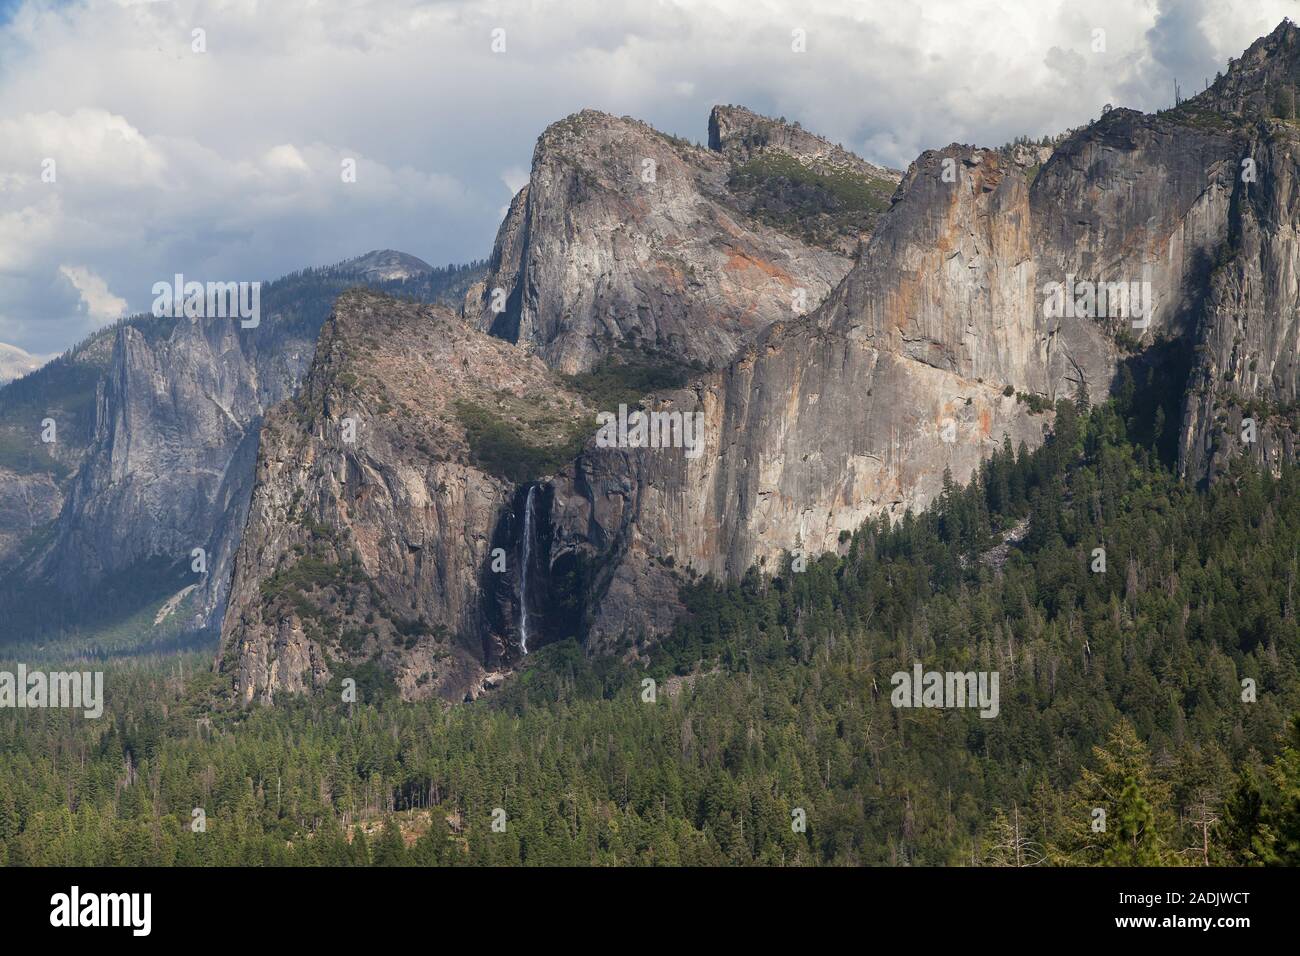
(1263, 80)
(384, 265)
(16, 362)
(740, 135)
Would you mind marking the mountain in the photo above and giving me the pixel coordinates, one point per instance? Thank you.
(1243, 397)
(936, 346)
(15, 362)
(414, 555)
(156, 434)
(1136, 259)
(384, 265)
(799, 182)
(380, 495)
(626, 238)
(949, 334)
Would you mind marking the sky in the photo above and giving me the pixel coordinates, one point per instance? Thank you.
(133, 148)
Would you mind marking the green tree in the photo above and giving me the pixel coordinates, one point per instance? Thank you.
(391, 848)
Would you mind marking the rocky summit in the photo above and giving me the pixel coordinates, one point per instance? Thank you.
(625, 237)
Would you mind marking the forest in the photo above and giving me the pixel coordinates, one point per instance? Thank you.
(1158, 686)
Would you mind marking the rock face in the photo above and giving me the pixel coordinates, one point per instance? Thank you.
(1028, 155)
(855, 410)
(372, 526)
(27, 502)
(627, 237)
(1242, 398)
(36, 462)
(1262, 81)
(939, 343)
(169, 467)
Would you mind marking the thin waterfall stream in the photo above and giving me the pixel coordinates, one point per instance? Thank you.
(523, 568)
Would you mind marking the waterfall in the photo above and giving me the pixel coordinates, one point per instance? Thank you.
(523, 568)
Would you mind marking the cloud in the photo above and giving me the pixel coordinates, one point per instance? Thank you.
(226, 164)
(101, 305)
(515, 178)
(286, 157)
(1177, 39)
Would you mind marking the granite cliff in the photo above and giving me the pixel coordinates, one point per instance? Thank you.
(382, 491)
(626, 237)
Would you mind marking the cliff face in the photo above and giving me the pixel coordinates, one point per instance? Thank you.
(1242, 398)
(372, 526)
(34, 472)
(1137, 198)
(169, 466)
(916, 365)
(627, 237)
(856, 410)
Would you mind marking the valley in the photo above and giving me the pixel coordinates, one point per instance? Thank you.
(751, 503)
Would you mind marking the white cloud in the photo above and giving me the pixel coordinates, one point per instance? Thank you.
(101, 305)
(515, 178)
(286, 157)
(226, 163)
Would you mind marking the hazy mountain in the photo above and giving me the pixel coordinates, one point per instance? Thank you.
(156, 424)
(15, 362)
(384, 265)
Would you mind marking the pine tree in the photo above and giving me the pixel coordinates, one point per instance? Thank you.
(391, 848)
(1118, 814)
(360, 848)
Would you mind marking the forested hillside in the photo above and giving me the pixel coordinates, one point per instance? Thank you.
(1120, 690)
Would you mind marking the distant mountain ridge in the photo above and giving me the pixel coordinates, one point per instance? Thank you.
(385, 265)
(157, 423)
(16, 362)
